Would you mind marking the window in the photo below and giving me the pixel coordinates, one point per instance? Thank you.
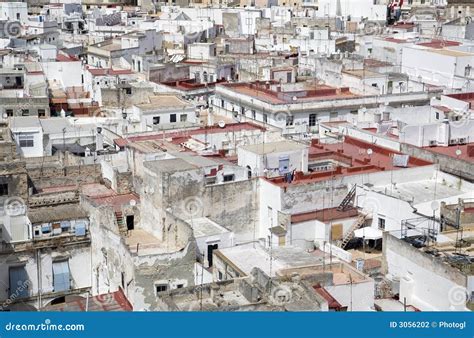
(9, 112)
(290, 120)
(161, 288)
(254, 114)
(183, 118)
(220, 275)
(156, 120)
(26, 141)
(25, 112)
(41, 113)
(437, 116)
(172, 118)
(180, 286)
(265, 118)
(3, 189)
(467, 71)
(61, 276)
(382, 223)
(229, 178)
(222, 103)
(312, 120)
(128, 91)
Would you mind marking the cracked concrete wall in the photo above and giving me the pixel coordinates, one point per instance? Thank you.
(170, 268)
(233, 205)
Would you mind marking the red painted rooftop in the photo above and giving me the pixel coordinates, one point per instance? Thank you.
(438, 44)
(353, 153)
(467, 151)
(66, 58)
(264, 92)
(466, 97)
(324, 215)
(231, 127)
(115, 301)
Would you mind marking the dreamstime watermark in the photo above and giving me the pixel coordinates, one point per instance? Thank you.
(458, 296)
(45, 326)
(370, 205)
(12, 29)
(192, 207)
(14, 206)
(15, 294)
(373, 28)
(281, 295)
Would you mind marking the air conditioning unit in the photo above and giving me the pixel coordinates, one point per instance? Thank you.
(463, 140)
(433, 143)
(453, 141)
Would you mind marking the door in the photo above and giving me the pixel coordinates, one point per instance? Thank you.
(210, 250)
(18, 282)
(130, 222)
(284, 164)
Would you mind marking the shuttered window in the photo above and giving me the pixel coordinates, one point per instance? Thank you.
(61, 280)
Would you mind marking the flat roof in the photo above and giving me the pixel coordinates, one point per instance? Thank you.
(274, 147)
(170, 165)
(467, 151)
(246, 257)
(24, 122)
(203, 227)
(164, 102)
(263, 92)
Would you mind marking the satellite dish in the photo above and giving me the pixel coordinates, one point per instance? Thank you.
(133, 203)
(458, 152)
(221, 124)
(370, 151)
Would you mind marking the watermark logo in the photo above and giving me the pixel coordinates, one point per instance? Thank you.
(370, 205)
(18, 292)
(14, 206)
(192, 207)
(281, 295)
(373, 28)
(458, 296)
(12, 29)
(104, 300)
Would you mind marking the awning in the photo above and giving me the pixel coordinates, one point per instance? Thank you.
(368, 233)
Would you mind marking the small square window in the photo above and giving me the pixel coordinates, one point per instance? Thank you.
(161, 288)
(183, 118)
(381, 223)
(173, 118)
(156, 120)
(229, 178)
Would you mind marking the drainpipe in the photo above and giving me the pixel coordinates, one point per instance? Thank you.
(38, 271)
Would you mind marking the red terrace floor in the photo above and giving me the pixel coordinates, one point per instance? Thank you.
(352, 152)
(115, 301)
(466, 97)
(263, 92)
(438, 44)
(116, 201)
(467, 151)
(232, 127)
(324, 215)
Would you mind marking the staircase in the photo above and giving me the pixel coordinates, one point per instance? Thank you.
(120, 220)
(348, 200)
(350, 233)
